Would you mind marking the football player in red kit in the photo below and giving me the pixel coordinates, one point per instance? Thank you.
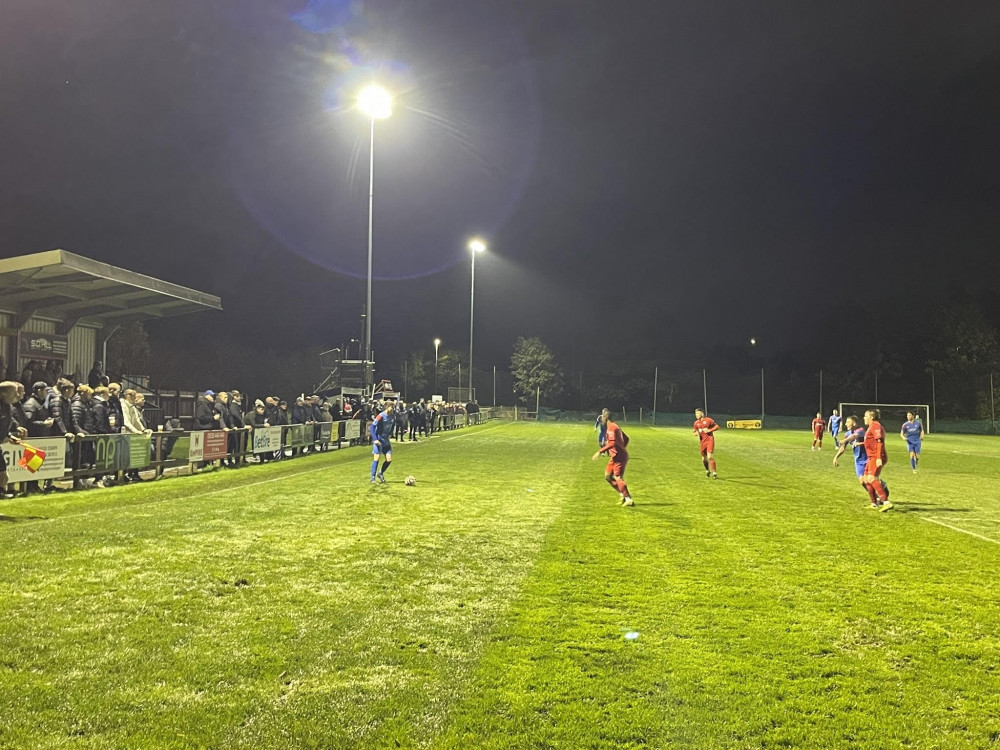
(877, 458)
(704, 428)
(614, 474)
(819, 427)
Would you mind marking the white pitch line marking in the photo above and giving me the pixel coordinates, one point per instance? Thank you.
(140, 506)
(961, 531)
(477, 432)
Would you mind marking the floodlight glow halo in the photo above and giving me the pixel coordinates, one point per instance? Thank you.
(375, 102)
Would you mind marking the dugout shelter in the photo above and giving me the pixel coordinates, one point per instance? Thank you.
(56, 305)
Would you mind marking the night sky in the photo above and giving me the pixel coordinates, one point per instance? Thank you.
(646, 173)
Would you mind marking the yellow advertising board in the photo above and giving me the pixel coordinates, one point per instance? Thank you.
(744, 424)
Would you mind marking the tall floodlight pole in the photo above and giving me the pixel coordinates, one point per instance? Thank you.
(437, 344)
(476, 246)
(376, 103)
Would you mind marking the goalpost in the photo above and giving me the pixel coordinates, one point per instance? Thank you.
(893, 415)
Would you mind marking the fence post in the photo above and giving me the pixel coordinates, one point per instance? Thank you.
(993, 408)
(656, 378)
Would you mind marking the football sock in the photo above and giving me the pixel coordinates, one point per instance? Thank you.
(385, 467)
(374, 467)
(705, 462)
(880, 490)
(913, 463)
(711, 465)
(623, 488)
(611, 480)
(871, 493)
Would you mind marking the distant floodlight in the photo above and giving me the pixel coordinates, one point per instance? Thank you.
(476, 245)
(753, 342)
(375, 102)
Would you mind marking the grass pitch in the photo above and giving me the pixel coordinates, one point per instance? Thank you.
(293, 605)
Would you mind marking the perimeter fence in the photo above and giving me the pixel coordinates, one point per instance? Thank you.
(781, 398)
(39, 463)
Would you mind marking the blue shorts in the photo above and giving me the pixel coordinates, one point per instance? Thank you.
(913, 447)
(381, 445)
(859, 466)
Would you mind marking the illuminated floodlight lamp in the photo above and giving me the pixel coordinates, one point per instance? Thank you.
(375, 102)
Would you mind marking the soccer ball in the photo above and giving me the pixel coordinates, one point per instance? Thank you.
(410, 481)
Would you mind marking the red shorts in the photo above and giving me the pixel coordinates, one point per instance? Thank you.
(818, 434)
(616, 467)
(708, 445)
(871, 469)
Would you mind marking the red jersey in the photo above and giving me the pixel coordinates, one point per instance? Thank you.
(617, 440)
(818, 425)
(707, 425)
(875, 442)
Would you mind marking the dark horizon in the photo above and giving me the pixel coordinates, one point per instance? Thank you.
(661, 179)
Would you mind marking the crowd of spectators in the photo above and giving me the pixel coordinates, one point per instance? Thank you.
(50, 405)
(62, 409)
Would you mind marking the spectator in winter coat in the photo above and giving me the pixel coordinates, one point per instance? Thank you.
(96, 376)
(271, 411)
(17, 410)
(239, 437)
(116, 415)
(102, 411)
(67, 391)
(205, 416)
(39, 422)
(8, 429)
(223, 419)
(82, 407)
(402, 421)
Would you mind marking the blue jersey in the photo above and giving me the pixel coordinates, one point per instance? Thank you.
(834, 423)
(911, 431)
(857, 435)
(602, 432)
(382, 426)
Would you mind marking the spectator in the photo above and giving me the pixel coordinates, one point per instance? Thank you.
(133, 423)
(326, 417)
(48, 373)
(28, 374)
(402, 421)
(82, 408)
(225, 421)
(301, 414)
(102, 411)
(239, 437)
(39, 422)
(283, 418)
(8, 429)
(205, 416)
(413, 418)
(116, 414)
(256, 420)
(17, 410)
(271, 410)
(96, 376)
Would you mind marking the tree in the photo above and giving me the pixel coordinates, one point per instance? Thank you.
(419, 375)
(534, 368)
(963, 349)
